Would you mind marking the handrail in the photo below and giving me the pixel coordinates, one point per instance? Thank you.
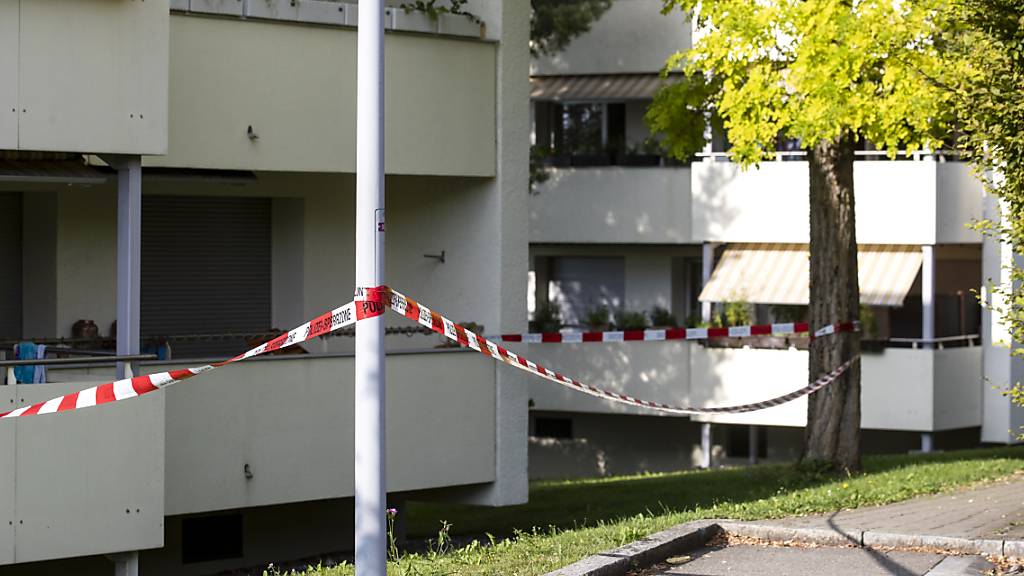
(937, 340)
(65, 361)
(916, 155)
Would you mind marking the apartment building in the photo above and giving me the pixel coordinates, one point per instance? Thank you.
(177, 182)
(618, 228)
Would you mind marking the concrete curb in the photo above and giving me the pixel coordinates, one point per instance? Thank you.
(644, 552)
(871, 539)
(692, 535)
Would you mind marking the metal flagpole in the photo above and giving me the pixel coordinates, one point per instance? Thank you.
(370, 487)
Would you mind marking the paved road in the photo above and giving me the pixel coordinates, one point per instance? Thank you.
(766, 561)
(995, 511)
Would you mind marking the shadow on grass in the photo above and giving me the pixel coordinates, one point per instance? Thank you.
(582, 503)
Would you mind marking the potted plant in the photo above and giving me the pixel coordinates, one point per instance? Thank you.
(662, 318)
(597, 319)
(546, 318)
(629, 320)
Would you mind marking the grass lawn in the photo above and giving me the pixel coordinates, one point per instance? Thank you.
(566, 521)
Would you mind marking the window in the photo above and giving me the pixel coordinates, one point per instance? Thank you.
(551, 427)
(207, 538)
(582, 133)
(580, 284)
(10, 265)
(206, 270)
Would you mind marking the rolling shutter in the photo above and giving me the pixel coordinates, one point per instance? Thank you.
(206, 270)
(10, 265)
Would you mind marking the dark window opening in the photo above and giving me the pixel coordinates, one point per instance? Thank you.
(739, 442)
(547, 427)
(207, 538)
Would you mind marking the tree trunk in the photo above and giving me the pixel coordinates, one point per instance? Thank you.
(832, 435)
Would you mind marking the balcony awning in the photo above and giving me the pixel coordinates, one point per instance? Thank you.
(779, 273)
(595, 87)
(50, 171)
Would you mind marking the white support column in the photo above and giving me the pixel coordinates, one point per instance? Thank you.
(928, 295)
(705, 445)
(126, 564)
(370, 484)
(752, 453)
(926, 443)
(129, 252)
(707, 264)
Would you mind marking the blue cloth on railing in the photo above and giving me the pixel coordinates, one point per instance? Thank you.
(30, 374)
(25, 351)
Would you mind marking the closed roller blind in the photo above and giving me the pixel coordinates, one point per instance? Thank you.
(10, 265)
(206, 269)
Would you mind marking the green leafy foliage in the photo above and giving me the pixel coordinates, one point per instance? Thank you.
(546, 318)
(989, 48)
(554, 23)
(813, 70)
(630, 320)
(662, 318)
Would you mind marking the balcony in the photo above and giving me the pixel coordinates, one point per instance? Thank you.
(612, 204)
(919, 390)
(768, 203)
(268, 431)
(84, 76)
(238, 99)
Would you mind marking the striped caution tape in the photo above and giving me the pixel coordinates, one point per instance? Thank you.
(372, 302)
(659, 335)
(426, 317)
(132, 387)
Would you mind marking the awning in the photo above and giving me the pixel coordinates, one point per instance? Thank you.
(779, 274)
(50, 171)
(595, 87)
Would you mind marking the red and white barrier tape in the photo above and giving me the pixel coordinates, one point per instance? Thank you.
(658, 335)
(373, 302)
(426, 317)
(139, 385)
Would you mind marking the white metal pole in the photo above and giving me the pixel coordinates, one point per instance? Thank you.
(707, 264)
(370, 486)
(928, 295)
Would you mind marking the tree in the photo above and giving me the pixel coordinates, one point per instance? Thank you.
(989, 47)
(554, 23)
(828, 73)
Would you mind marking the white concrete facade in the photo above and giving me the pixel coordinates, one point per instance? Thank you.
(263, 108)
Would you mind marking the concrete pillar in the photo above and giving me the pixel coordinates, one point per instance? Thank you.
(752, 452)
(926, 443)
(126, 564)
(129, 254)
(928, 295)
(707, 264)
(705, 445)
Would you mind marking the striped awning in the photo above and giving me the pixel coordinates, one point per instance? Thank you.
(595, 87)
(779, 274)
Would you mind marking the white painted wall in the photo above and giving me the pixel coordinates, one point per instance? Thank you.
(902, 389)
(612, 205)
(441, 429)
(897, 202)
(653, 371)
(959, 388)
(961, 198)
(632, 36)
(84, 76)
(648, 270)
(62, 495)
(295, 85)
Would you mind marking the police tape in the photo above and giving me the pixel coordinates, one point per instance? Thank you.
(373, 302)
(133, 387)
(660, 335)
(426, 317)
